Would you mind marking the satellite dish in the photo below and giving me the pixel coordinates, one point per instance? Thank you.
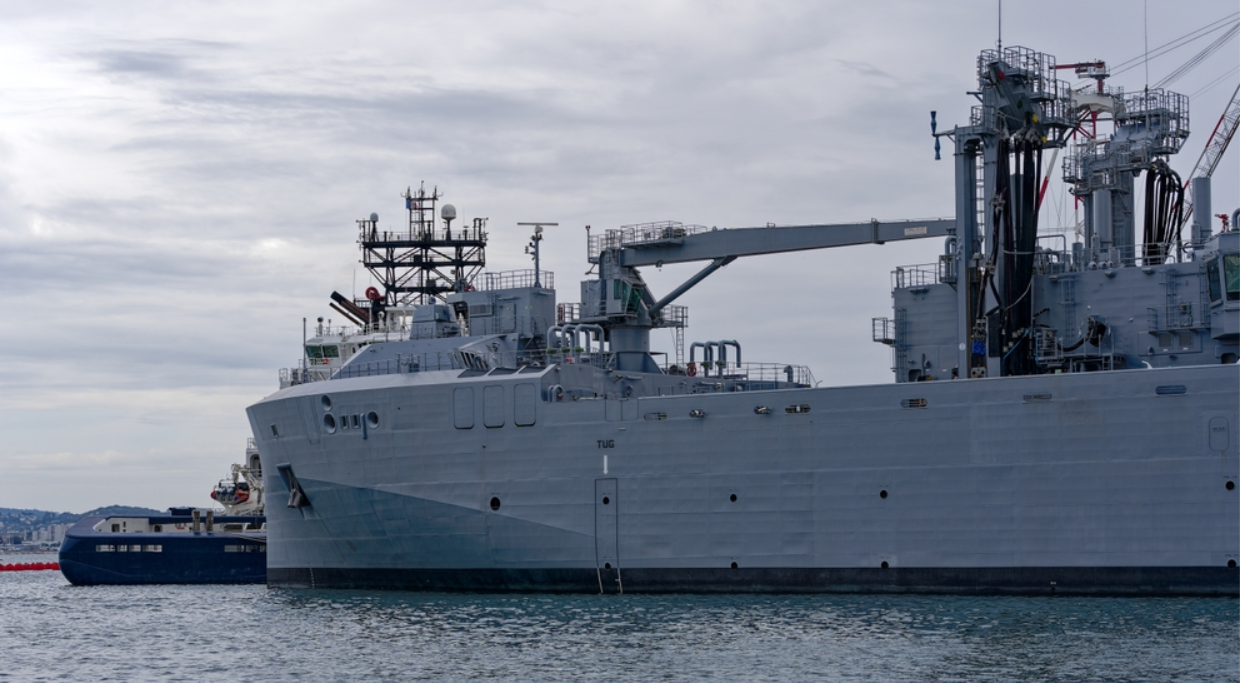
(448, 212)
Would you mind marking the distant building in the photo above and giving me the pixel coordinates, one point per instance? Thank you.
(52, 533)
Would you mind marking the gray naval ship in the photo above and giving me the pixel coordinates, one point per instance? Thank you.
(1065, 416)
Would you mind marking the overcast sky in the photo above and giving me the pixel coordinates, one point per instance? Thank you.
(179, 181)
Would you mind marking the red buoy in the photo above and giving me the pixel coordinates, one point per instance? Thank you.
(29, 566)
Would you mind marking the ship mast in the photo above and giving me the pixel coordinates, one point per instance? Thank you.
(424, 262)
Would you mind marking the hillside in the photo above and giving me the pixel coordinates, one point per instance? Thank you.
(21, 520)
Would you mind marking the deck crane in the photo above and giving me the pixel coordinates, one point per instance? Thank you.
(620, 303)
(1208, 161)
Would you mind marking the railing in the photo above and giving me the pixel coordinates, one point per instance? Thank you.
(919, 275)
(302, 375)
(642, 233)
(485, 360)
(344, 333)
(1163, 113)
(1048, 349)
(675, 316)
(513, 279)
(407, 363)
(771, 373)
(567, 313)
(1037, 67)
(778, 372)
(368, 236)
(334, 330)
(386, 327)
(883, 330)
(1038, 70)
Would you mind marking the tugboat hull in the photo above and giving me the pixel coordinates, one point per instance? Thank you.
(89, 557)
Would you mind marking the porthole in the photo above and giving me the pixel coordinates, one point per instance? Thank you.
(882, 494)
(329, 424)
(606, 565)
(606, 500)
(884, 564)
(326, 402)
(734, 565)
(1231, 564)
(495, 503)
(1231, 485)
(372, 419)
(732, 497)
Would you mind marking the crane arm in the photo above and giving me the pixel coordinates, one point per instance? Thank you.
(672, 244)
(1219, 138)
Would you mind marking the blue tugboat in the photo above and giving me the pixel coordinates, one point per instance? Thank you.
(187, 545)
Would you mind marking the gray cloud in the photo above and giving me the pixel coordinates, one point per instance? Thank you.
(178, 190)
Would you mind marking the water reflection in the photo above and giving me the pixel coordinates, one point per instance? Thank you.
(53, 630)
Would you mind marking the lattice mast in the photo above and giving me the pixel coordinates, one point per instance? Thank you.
(426, 261)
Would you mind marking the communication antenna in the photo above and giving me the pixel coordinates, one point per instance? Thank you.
(535, 241)
(1146, 8)
(1000, 25)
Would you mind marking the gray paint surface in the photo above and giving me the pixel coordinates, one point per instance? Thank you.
(552, 452)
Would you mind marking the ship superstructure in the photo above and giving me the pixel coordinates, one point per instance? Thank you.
(1030, 303)
(1063, 418)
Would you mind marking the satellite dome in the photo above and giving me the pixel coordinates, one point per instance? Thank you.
(374, 217)
(448, 212)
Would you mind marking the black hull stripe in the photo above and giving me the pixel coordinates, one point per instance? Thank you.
(1120, 581)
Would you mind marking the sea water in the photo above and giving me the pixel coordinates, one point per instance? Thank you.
(53, 631)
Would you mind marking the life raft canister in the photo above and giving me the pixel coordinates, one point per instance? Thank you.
(692, 370)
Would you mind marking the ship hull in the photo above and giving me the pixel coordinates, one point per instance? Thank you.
(90, 558)
(1118, 483)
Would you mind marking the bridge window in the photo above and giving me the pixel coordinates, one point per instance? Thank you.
(1231, 276)
(1216, 285)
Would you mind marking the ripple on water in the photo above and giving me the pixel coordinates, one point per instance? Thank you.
(50, 630)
